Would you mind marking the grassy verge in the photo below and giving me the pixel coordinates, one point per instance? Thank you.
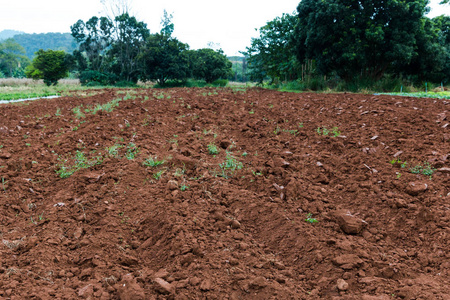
(14, 88)
(439, 95)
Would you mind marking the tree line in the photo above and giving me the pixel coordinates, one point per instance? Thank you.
(339, 40)
(121, 51)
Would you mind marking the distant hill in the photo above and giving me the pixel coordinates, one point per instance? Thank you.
(54, 41)
(7, 33)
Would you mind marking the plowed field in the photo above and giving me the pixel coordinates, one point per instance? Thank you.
(225, 194)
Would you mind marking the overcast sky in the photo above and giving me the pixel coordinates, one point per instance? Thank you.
(230, 23)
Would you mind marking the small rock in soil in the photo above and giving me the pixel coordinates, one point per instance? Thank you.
(342, 285)
(348, 261)
(5, 155)
(235, 224)
(258, 283)
(349, 223)
(205, 285)
(86, 292)
(416, 188)
(129, 289)
(172, 185)
(163, 286)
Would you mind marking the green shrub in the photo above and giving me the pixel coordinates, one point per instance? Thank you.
(220, 82)
(95, 78)
(124, 83)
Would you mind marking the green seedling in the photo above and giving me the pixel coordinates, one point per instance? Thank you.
(310, 219)
(184, 187)
(324, 131)
(80, 161)
(212, 149)
(229, 166)
(78, 113)
(277, 130)
(132, 151)
(153, 162)
(397, 161)
(158, 175)
(336, 132)
(113, 151)
(3, 184)
(426, 169)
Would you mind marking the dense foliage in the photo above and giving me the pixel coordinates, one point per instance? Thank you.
(12, 59)
(50, 65)
(271, 55)
(365, 40)
(124, 50)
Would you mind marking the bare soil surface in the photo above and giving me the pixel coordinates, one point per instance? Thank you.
(225, 194)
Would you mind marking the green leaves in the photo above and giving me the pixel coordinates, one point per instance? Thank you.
(210, 65)
(362, 38)
(50, 65)
(271, 54)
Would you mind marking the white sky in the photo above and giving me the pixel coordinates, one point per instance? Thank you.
(230, 23)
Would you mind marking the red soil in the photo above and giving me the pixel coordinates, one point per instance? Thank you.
(115, 231)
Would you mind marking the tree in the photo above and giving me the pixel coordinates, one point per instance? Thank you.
(94, 38)
(271, 55)
(12, 58)
(363, 38)
(164, 57)
(50, 65)
(130, 37)
(432, 61)
(210, 65)
(110, 47)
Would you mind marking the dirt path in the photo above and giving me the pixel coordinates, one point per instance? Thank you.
(225, 194)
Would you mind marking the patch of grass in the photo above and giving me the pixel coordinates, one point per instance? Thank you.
(158, 174)
(132, 151)
(397, 161)
(212, 149)
(426, 169)
(78, 113)
(113, 151)
(229, 166)
(310, 219)
(438, 95)
(153, 162)
(325, 132)
(107, 107)
(67, 167)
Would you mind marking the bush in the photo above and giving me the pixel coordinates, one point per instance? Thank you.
(124, 83)
(95, 78)
(220, 82)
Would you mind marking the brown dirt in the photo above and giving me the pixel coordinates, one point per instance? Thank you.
(115, 231)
